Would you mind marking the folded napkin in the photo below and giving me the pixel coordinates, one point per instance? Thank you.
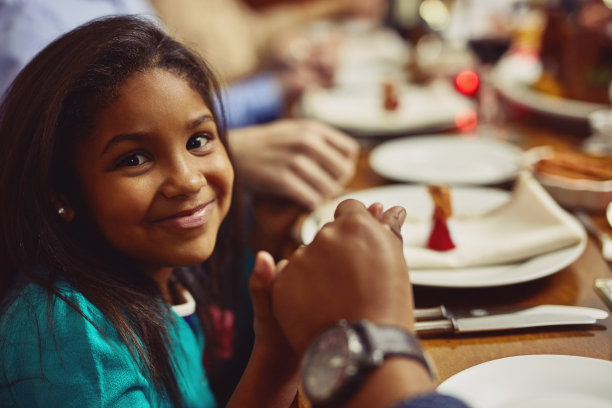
(529, 224)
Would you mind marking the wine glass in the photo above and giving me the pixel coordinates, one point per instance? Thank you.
(489, 30)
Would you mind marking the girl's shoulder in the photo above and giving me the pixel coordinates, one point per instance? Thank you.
(31, 308)
(48, 348)
(34, 319)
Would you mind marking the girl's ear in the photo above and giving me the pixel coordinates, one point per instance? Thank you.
(63, 207)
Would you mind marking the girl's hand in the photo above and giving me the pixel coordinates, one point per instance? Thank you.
(271, 378)
(268, 334)
(393, 218)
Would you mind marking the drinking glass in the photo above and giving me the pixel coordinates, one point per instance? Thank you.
(489, 30)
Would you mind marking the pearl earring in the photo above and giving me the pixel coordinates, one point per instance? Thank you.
(61, 211)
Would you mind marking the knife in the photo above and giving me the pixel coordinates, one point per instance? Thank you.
(441, 320)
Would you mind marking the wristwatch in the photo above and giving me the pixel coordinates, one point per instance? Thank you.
(342, 357)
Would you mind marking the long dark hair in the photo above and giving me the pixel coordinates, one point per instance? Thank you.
(53, 102)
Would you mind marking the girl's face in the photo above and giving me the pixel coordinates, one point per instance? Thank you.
(155, 177)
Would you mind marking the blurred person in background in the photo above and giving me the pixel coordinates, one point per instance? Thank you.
(303, 161)
(272, 51)
(240, 40)
(576, 50)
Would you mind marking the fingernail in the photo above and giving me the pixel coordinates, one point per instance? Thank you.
(401, 216)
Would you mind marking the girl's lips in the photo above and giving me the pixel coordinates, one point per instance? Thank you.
(189, 219)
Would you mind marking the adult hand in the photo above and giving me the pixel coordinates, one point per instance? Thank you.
(306, 59)
(302, 160)
(354, 269)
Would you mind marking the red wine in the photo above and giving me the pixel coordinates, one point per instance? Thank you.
(489, 49)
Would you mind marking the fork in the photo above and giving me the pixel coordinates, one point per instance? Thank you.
(605, 239)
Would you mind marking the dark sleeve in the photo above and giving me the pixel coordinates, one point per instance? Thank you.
(432, 401)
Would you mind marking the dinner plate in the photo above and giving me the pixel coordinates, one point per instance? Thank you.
(514, 77)
(534, 381)
(450, 159)
(367, 52)
(365, 46)
(359, 109)
(467, 201)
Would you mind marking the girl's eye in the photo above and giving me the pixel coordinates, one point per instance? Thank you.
(132, 160)
(198, 142)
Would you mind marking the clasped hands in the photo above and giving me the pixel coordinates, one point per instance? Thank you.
(354, 269)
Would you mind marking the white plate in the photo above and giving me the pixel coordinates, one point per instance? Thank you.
(446, 159)
(514, 77)
(534, 381)
(367, 52)
(359, 109)
(466, 201)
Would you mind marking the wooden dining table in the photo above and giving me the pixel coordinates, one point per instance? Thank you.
(572, 285)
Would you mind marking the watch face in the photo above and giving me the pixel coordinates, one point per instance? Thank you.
(329, 362)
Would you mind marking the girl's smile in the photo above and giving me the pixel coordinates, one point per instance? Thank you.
(155, 176)
(188, 219)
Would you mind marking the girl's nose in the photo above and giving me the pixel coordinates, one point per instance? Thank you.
(182, 179)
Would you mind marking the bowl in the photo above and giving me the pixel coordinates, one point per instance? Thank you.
(574, 194)
(567, 187)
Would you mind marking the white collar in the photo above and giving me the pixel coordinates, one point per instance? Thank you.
(185, 309)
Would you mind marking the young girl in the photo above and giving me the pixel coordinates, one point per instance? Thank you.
(114, 171)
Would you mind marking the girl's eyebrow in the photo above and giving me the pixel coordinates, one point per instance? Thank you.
(198, 121)
(140, 136)
(122, 137)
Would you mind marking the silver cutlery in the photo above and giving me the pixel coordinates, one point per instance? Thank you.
(605, 239)
(441, 319)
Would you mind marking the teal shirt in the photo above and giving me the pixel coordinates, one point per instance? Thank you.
(76, 366)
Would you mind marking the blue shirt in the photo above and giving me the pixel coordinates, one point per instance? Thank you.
(256, 100)
(74, 365)
(27, 26)
(432, 401)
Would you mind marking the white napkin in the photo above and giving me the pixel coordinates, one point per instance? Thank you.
(529, 224)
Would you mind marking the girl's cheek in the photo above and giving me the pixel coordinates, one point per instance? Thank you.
(225, 170)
